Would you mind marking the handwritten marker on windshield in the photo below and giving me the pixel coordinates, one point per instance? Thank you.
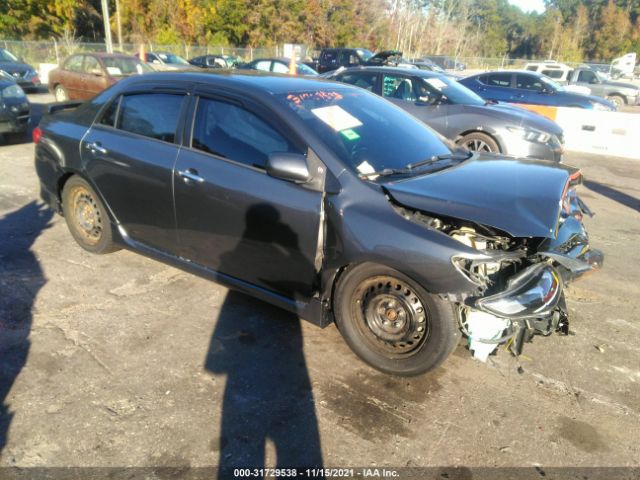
(292, 65)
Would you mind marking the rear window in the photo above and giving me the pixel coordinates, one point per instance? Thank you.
(553, 73)
(153, 115)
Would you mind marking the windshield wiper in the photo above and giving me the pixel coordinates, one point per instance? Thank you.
(410, 168)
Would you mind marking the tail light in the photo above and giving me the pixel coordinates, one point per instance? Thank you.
(35, 80)
(36, 135)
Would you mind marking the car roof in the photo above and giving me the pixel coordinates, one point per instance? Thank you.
(416, 72)
(266, 82)
(491, 72)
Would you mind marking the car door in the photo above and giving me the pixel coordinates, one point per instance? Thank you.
(231, 216)
(588, 78)
(72, 78)
(94, 77)
(130, 152)
(497, 87)
(421, 102)
(530, 89)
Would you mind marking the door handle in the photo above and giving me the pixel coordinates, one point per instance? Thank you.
(190, 174)
(96, 147)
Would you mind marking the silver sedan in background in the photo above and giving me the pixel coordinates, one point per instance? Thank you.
(459, 114)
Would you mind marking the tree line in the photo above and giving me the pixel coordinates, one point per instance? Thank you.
(569, 30)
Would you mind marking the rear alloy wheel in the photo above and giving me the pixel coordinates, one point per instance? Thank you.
(617, 100)
(61, 94)
(392, 323)
(86, 217)
(479, 142)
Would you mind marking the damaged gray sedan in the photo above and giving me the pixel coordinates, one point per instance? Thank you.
(326, 200)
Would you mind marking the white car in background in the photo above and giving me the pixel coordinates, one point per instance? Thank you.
(559, 72)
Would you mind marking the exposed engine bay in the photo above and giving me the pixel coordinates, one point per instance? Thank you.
(519, 282)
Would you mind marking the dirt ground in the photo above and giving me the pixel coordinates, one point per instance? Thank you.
(120, 361)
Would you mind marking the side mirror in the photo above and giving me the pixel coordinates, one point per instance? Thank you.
(291, 167)
(593, 80)
(96, 71)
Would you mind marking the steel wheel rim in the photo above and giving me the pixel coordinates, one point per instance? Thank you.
(391, 316)
(86, 215)
(477, 145)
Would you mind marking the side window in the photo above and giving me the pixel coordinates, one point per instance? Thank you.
(586, 76)
(109, 115)
(329, 57)
(263, 65)
(366, 80)
(230, 131)
(90, 64)
(74, 64)
(533, 68)
(499, 80)
(280, 67)
(529, 82)
(154, 115)
(556, 73)
(398, 87)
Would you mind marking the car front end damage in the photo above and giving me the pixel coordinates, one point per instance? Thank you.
(518, 282)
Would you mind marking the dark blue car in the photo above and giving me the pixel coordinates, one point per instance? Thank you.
(515, 86)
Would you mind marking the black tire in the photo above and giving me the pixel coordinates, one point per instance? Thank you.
(86, 216)
(60, 93)
(364, 291)
(479, 142)
(617, 100)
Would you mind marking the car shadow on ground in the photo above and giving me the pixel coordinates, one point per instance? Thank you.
(268, 395)
(21, 278)
(614, 194)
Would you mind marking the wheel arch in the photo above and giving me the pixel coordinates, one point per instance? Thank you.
(492, 135)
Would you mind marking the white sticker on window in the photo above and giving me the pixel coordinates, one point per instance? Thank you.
(114, 71)
(336, 117)
(436, 83)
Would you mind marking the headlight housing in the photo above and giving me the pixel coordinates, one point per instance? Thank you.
(12, 91)
(530, 134)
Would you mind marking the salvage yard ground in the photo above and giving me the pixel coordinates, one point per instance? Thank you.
(119, 360)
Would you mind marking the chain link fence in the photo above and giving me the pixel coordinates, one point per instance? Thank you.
(55, 51)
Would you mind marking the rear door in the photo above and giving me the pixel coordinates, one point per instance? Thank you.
(498, 87)
(130, 152)
(231, 216)
(72, 77)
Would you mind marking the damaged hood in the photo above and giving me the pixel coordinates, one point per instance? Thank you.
(520, 197)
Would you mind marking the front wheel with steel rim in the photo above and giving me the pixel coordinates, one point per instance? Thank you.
(391, 322)
(479, 142)
(86, 216)
(61, 94)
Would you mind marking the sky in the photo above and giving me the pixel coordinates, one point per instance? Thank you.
(529, 5)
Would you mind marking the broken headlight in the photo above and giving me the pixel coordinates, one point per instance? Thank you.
(534, 292)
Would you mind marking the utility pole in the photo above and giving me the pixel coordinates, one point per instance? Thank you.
(119, 23)
(107, 26)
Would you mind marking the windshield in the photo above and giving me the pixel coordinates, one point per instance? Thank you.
(6, 56)
(305, 69)
(171, 58)
(366, 132)
(364, 53)
(124, 66)
(434, 88)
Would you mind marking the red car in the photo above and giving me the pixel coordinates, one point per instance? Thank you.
(83, 75)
